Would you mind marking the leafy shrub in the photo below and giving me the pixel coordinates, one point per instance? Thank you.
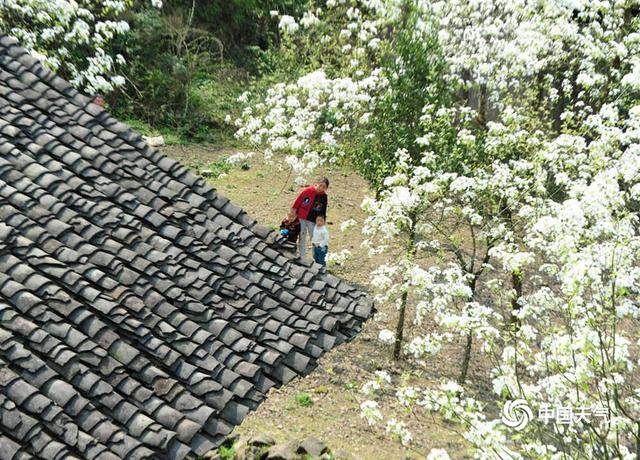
(414, 69)
(187, 65)
(227, 452)
(304, 400)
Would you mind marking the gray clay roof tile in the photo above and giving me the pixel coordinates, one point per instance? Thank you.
(142, 314)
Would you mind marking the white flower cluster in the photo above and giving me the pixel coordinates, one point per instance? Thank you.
(288, 24)
(373, 386)
(339, 258)
(370, 411)
(425, 345)
(288, 119)
(60, 31)
(584, 228)
(239, 157)
(347, 224)
(306, 120)
(438, 454)
(386, 336)
(399, 430)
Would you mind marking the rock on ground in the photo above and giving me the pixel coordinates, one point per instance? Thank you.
(263, 446)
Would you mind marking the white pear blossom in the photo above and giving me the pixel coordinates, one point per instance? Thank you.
(72, 37)
(438, 454)
(288, 24)
(386, 336)
(370, 411)
(239, 157)
(511, 224)
(347, 224)
(399, 430)
(339, 258)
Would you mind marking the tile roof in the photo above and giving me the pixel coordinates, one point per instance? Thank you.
(142, 314)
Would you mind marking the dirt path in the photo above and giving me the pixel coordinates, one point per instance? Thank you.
(264, 192)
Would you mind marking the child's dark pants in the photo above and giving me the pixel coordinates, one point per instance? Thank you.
(320, 254)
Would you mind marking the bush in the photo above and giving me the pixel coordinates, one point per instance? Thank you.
(304, 400)
(187, 66)
(227, 453)
(414, 69)
(165, 56)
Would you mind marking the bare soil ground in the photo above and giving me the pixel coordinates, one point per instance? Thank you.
(266, 193)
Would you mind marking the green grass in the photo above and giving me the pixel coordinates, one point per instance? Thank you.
(173, 137)
(219, 167)
(304, 400)
(212, 98)
(227, 453)
(141, 127)
(321, 389)
(350, 386)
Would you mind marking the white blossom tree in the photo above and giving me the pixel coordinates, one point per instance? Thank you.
(510, 223)
(72, 37)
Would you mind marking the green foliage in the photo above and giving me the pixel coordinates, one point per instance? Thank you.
(172, 137)
(321, 389)
(318, 47)
(188, 63)
(304, 400)
(218, 167)
(238, 24)
(227, 452)
(351, 386)
(414, 69)
(165, 57)
(141, 127)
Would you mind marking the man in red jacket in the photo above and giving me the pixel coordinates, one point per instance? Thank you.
(311, 202)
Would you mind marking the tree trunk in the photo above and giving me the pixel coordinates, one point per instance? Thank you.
(467, 348)
(638, 441)
(516, 281)
(411, 252)
(397, 347)
(465, 360)
(482, 107)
